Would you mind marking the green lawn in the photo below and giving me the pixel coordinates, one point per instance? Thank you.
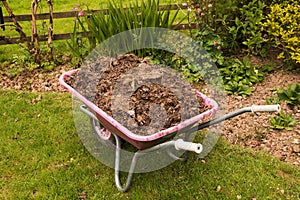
(42, 157)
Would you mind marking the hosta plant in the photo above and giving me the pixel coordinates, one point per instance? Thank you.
(283, 121)
(238, 76)
(291, 95)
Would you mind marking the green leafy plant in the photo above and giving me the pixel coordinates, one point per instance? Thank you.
(272, 100)
(191, 73)
(238, 76)
(253, 14)
(291, 95)
(197, 68)
(260, 134)
(283, 121)
(269, 67)
(211, 42)
(188, 71)
(100, 26)
(48, 65)
(245, 29)
(77, 44)
(283, 27)
(20, 63)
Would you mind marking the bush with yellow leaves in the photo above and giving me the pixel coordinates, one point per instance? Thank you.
(283, 27)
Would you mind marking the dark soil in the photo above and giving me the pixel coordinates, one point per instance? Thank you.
(152, 105)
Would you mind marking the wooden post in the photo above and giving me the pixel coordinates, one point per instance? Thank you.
(34, 37)
(50, 30)
(2, 20)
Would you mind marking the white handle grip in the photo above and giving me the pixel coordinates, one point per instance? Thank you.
(188, 146)
(265, 108)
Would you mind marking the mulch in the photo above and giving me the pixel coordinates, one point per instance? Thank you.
(156, 96)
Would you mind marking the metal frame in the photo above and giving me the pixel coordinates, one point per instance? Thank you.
(188, 127)
(178, 144)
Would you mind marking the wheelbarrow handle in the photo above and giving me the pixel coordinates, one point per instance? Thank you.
(254, 108)
(265, 108)
(188, 146)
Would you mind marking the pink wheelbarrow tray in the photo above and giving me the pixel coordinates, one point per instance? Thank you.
(106, 127)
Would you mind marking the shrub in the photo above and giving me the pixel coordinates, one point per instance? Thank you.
(283, 28)
(244, 29)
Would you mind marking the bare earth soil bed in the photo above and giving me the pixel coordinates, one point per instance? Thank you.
(250, 130)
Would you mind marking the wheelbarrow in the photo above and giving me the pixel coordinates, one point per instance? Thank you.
(112, 133)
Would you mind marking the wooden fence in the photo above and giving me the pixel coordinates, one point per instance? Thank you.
(62, 15)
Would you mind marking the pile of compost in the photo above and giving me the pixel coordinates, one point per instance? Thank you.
(137, 94)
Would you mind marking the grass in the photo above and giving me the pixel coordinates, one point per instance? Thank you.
(42, 157)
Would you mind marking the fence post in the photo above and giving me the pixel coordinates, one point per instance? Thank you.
(35, 37)
(2, 20)
(50, 30)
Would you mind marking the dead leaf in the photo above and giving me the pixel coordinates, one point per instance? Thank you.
(35, 100)
(83, 195)
(282, 191)
(218, 188)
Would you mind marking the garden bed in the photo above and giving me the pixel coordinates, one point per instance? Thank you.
(246, 130)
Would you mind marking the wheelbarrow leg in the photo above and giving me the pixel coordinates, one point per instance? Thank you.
(94, 121)
(186, 154)
(117, 167)
(134, 161)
